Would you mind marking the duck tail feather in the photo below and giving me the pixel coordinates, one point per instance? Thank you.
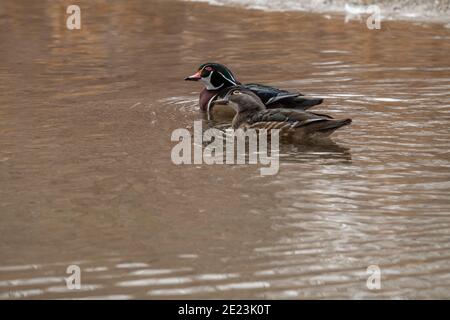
(326, 127)
(301, 103)
(332, 125)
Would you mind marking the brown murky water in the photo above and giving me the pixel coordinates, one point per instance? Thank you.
(86, 176)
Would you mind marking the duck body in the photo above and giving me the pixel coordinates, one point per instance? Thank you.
(277, 98)
(291, 123)
(218, 80)
(272, 98)
(251, 113)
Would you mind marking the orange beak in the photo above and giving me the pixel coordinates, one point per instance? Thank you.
(194, 77)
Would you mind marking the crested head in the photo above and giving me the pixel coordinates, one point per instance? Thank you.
(214, 76)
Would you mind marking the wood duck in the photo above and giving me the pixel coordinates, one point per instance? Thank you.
(217, 80)
(252, 113)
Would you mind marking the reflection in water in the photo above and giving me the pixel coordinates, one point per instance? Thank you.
(86, 176)
(322, 150)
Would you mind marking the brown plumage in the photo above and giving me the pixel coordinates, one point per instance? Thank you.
(251, 113)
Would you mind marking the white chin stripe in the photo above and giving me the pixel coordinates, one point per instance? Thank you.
(208, 84)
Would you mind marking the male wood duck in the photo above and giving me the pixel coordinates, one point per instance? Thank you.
(252, 113)
(217, 80)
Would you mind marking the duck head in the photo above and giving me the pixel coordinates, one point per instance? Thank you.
(214, 76)
(242, 100)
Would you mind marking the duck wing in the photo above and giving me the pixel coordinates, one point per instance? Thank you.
(278, 98)
(293, 120)
(285, 115)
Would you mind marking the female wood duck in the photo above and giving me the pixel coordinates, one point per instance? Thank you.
(252, 113)
(217, 80)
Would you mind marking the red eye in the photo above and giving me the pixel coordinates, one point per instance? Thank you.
(208, 69)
